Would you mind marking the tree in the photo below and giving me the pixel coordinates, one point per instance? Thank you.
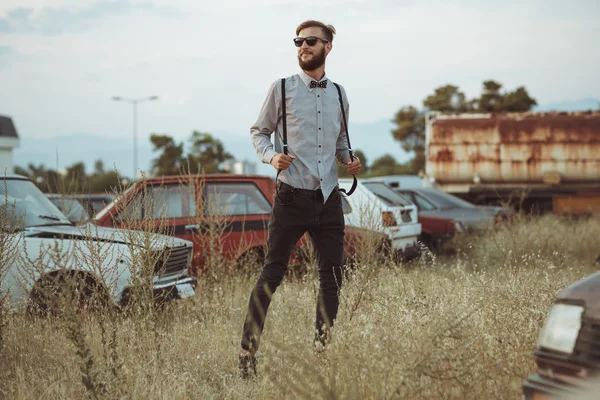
(170, 159)
(107, 181)
(387, 165)
(98, 167)
(447, 99)
(491, 100)
(410, 132)
(518, 101)
(207, 153)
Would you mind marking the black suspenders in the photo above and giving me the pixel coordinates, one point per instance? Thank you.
(345, 121)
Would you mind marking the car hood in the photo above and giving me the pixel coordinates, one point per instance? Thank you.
(112, 235)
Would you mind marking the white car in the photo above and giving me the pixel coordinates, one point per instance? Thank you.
(39, 245)
(375, 206)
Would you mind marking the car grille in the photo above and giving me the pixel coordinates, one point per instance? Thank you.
(172, 261)
(587, 347)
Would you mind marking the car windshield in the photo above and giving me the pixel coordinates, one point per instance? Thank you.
(388, 195)
(71, 208)
(22, 204)
(110, 205)
(445, 200)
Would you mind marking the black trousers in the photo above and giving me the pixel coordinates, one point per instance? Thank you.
(295, 212)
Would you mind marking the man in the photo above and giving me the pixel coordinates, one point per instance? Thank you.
(307, 197)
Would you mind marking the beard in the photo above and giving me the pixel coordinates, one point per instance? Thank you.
(315, 62)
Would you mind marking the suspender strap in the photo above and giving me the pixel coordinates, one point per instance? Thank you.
(284, 120)
(284, 116)
(354, 183)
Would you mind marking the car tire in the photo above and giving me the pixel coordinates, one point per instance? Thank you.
(57, 292)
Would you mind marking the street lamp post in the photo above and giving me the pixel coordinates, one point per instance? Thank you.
(135, 102)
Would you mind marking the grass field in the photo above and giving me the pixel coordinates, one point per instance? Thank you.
(460, 326)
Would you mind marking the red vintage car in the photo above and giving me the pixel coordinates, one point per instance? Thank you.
(234, 209)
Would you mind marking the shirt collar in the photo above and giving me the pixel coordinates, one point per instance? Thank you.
(307, 78)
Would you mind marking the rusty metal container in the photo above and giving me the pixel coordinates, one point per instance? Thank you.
(508, 148)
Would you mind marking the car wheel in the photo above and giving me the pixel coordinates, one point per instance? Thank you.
(59, 291)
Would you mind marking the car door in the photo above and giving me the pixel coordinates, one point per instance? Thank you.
(239, 212)
(168, 208)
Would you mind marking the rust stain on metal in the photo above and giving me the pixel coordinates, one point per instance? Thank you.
(514, 146)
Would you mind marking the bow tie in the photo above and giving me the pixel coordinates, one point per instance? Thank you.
(322, 84)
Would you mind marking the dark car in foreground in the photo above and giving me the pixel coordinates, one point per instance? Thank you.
(568, 348)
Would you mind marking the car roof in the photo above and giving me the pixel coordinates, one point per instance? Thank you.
(14, 176)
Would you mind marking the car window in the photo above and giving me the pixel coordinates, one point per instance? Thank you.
(386, 194)
(422, 203)
(162, 202)
(240, 198)
(346, 206)
(445, 200)
(71, 208)
(24, 205)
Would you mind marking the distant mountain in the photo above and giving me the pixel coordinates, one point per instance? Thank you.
(585, 104)
(374, 139)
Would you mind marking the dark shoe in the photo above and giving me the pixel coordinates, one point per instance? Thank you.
(247, 366)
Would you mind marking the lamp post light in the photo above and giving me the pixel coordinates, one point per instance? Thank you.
(135, 102)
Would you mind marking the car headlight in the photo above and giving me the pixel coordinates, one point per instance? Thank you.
(459, 227)
(561, 328)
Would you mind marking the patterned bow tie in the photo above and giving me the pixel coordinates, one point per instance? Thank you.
(322, 84)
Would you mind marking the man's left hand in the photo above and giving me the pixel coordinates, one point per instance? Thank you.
(353, 167)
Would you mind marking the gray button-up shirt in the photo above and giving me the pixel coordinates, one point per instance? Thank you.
(315, 132)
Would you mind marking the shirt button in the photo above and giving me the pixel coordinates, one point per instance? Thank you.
(319, 128)
(319, 161)
(318, 95)
(321, 179)
(319, 112)
(319, 145)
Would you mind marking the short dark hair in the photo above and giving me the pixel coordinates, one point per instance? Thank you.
(328, 30)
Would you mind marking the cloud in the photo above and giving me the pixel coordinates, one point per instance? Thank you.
(55, 20)
(6, 54)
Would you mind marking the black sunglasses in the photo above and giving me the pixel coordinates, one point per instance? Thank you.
(311, 40)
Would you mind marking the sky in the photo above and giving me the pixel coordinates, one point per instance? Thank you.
(211, 62)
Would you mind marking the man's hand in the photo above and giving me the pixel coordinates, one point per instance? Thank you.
(353, 167)
(281, 161)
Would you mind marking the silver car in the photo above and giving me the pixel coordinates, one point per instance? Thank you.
(38, 244)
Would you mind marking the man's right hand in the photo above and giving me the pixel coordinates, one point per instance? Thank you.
(281, 161)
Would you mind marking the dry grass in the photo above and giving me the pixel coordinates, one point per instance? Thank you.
(460, 327)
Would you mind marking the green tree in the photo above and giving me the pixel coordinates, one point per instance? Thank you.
(169, 161)
(491, 99)
(518, 101)
(447, 99)
(207, 153)
(387, 165)
(410, 132)
(98, 167)
(107, 181)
